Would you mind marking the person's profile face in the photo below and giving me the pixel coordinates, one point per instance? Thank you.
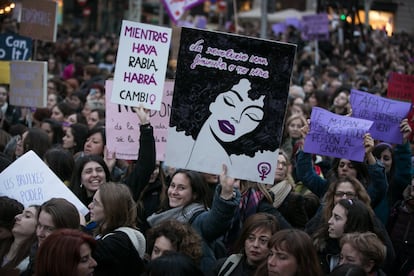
(337, 222)
(281, 169)
(87, 263)
(234, 114)
(3, 96)
(57, 114)
(51, 101)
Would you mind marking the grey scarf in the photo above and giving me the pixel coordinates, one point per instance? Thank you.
(179, 213)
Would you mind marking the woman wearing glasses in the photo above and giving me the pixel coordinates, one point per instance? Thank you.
(347, 188)
(252, 246)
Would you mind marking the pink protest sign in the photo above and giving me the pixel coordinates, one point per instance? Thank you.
(122, 126)
(335, 135)
(387, 115)
(176, 9)
(160, 120)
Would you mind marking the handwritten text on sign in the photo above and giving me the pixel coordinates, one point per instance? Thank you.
(30, 181)
(141, 65)
(387, 115)
(337, 136)
(39, 19)
(221, 59)
(123, 130)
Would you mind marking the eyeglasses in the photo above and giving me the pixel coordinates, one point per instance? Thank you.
(342, 194)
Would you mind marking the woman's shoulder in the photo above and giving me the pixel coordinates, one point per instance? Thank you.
(123, 240)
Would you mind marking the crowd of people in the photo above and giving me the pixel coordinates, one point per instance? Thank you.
(321, 216)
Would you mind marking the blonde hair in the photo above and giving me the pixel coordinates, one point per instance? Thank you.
(368, 245)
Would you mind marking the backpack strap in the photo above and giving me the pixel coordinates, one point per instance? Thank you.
(137, 239)
(194, 216)
(230, 264)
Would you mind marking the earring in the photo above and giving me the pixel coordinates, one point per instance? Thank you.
(81, 185)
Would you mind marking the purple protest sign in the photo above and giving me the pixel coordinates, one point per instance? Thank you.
(122, 125)
(335, 135)
(278, 28)
(293, 21)
(387, 115)
(315, 27)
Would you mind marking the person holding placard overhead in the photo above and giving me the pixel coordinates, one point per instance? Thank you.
(370, 173)
(397, 163)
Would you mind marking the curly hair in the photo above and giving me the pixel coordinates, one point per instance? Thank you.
(196, 89)
(182, 236)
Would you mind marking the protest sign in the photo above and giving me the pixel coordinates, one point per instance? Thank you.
(30, 181)
(4, 72)
(315, 27)
(386, 114)
(400, 87)
(39, 19)
(28, 83)
(279, 28)
(15, 47)
(141, 65)
(230, 98)
(335, 135)
(176, 9)
(293, 21)
(122, 125)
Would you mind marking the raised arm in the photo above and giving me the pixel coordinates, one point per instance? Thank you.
(402, 162)
(305, 171)
(377, 188)
(217, 220)
(145, 164)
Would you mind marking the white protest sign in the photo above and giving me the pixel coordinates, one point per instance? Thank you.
(30, 181)
(141, 65)
(230, 99)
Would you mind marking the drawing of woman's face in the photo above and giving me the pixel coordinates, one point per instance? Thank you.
(234, 114)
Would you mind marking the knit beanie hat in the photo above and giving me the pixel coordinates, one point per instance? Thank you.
(9, 208)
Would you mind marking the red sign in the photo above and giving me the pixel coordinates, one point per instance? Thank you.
(401, 87)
